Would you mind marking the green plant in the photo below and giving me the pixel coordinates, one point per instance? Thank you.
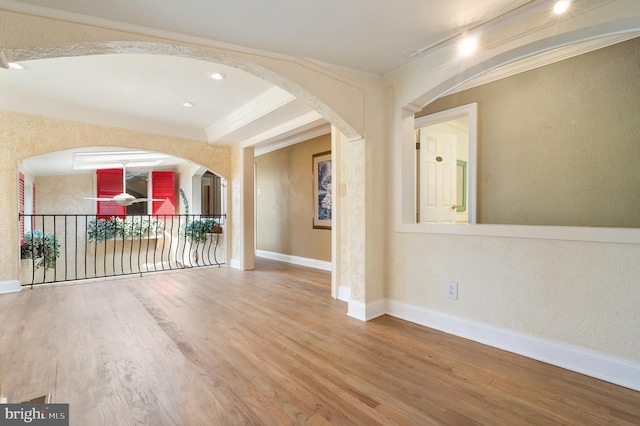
(43, 248)
(127, 229)
(198, 229)
(185, 202)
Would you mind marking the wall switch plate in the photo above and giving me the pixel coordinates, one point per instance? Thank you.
(452, 290)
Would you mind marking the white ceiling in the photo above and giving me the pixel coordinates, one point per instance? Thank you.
(359, 34)
(145, 92)
(137, 91)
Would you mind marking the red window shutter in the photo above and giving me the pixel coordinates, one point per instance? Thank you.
(109, 184)
(21, 205)
(163, 184)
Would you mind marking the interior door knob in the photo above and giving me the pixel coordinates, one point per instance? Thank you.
(454, 206)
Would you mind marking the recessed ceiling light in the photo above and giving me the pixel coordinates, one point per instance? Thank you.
(188, 104)
(216, 76)
(561, 7)
(468, 45)
(16, 66)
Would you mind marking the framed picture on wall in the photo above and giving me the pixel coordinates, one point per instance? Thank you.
(322, 193)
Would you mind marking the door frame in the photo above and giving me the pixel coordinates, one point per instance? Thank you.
(471, 112)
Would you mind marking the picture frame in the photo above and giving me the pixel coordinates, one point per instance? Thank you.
(322, 190)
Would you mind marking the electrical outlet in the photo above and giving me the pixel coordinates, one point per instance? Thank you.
(452, 290)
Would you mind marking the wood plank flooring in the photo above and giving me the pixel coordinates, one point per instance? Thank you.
(217, 346)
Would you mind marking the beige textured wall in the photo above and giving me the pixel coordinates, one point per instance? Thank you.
(579, 293)
(65, 194)
(240, 207)
(560, 145)
(285, 202)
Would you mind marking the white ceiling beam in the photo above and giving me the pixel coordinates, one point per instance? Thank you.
(253, 110)
(286, 129)
(320, 130)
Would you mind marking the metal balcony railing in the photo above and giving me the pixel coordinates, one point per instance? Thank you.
(71, 247)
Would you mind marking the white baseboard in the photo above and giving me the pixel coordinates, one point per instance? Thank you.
(344, 293)
(296, 260)
(366, 312)
(9, 286)
(603, 367)
(235, 263)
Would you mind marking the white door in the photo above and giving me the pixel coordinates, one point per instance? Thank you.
(437, 177)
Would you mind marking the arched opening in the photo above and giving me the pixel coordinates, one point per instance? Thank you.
(542, 60)
(73, 225)
(321, 110)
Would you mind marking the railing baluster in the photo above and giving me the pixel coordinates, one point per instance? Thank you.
(124, 233)
(173, 222)
(185, 240)
(182, 247)
(146, 254)
(76, 246)
(65, 248)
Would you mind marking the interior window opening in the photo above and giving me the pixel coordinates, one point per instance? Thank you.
(138, 186)
(445, 165)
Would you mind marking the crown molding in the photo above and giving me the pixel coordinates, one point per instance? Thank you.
(534, 20)
(79, 18)
(543, 59)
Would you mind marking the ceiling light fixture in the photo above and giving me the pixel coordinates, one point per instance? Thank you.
(468, 45)
(188, 104)
(16, 66)
(561, 7)
(216, 76)
(503, 15)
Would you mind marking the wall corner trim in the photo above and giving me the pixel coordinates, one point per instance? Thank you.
(235, 263)
(600, 366)
(344, 293)
(11, 286)
(366, 312)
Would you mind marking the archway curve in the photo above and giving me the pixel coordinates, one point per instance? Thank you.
(418, 99)
(190, 52)
(198, 168)
(75, 135)
(525, 51)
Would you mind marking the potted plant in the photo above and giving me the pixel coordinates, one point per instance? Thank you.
(198, 229)
(127, 229)
(43, 249)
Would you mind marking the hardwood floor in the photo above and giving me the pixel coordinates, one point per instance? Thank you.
(217, 346)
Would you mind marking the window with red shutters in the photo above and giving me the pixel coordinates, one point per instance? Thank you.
(163, 187)
(109, 184)
(21, 205)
